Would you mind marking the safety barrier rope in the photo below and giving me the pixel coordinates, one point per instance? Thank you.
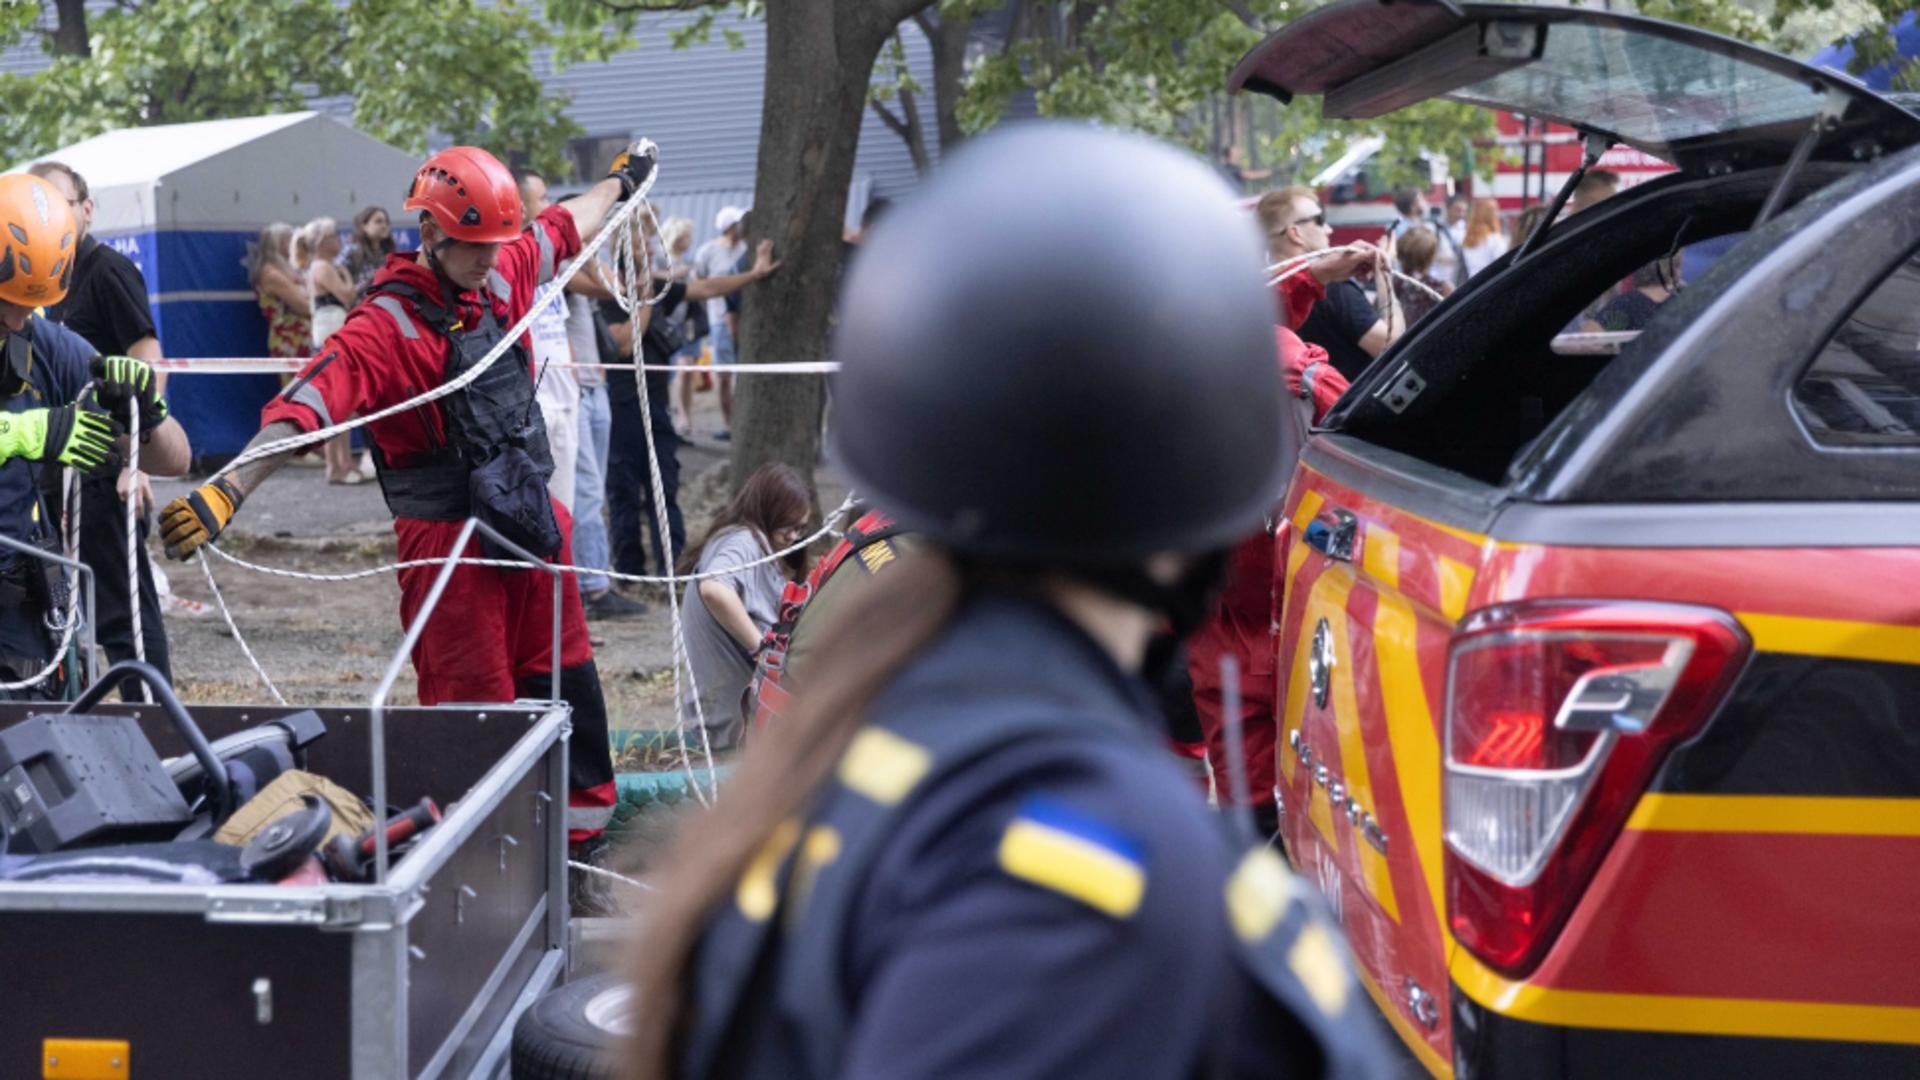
(289, 365)
(614, 225)
(631, 269)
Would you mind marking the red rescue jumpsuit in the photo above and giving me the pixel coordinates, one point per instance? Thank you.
(491, 637)
(1241, 626)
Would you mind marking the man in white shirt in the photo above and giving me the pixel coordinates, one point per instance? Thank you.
(556, 388)
(720, 257)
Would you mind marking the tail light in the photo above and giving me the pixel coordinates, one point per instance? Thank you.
(1558, 714)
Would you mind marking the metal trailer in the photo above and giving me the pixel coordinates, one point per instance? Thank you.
(420, 974)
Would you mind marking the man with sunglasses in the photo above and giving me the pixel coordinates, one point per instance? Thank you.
(1344, 322)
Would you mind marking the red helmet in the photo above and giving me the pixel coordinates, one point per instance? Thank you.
(470, 195)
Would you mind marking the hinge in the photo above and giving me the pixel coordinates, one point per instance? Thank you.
(1405, 386)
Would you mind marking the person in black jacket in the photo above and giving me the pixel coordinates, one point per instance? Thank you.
(107, 305)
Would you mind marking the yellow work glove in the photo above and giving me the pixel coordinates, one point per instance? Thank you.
(192, 520)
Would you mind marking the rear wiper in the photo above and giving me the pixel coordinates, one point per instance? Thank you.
(1596, 145)
(1828, 118)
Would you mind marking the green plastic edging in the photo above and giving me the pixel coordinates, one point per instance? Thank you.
(638, 790)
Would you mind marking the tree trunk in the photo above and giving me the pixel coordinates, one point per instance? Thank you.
(948, 39)
(820, 57)
(70, 32)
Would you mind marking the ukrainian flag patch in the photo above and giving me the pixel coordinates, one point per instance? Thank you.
(1059, 848)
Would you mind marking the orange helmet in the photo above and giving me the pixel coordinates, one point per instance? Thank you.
(37, 235)
(470, 195)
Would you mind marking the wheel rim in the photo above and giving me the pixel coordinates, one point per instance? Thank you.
(611, 1010)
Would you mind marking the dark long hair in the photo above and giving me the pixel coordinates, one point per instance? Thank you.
(914, 600)
(774, 497)
(365, 257)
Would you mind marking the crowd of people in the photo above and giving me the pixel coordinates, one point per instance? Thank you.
(1435, 253)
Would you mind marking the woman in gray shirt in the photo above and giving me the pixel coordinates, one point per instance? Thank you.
(727, 614)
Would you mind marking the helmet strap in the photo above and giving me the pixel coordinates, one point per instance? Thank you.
(449, 291)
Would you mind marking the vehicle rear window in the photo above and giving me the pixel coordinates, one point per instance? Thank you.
(1642, 87)
(1863, 389)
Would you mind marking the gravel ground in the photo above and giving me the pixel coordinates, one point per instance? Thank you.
(330, 642)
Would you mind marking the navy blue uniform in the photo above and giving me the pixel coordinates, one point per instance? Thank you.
(59, 371)
(1009, 877)
(107, 305)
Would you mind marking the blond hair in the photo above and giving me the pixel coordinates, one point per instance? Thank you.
(1276, 207)
(307, 242)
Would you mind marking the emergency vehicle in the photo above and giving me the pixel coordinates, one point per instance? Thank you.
(1600, 674)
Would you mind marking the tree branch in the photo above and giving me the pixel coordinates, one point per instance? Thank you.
(895, 11)
(894, 123)
(1243, 12)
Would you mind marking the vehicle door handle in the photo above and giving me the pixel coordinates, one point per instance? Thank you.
(1332, 534)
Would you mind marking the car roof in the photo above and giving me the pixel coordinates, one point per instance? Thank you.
(1699, 99)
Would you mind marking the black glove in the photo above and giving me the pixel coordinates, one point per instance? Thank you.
(633, 165)
(122, 379)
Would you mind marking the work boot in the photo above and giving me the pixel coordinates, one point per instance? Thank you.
(590, 895)
(608, 604)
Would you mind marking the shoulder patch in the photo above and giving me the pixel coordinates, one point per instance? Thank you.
(883, 766)
(1259, 892)
(877, 555)
(1317, 963)
(1059, 848)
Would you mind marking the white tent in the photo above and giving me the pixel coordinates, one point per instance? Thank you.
(183, 200)
(235, 174)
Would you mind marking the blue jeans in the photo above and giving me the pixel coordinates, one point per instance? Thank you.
(590, 489)
(724, 352)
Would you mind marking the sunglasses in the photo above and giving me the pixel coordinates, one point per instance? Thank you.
(1319, 219)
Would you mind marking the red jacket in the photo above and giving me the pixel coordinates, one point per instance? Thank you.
(1246, 600)
(386, 353)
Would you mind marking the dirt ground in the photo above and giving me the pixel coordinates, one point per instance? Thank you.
(331, 642)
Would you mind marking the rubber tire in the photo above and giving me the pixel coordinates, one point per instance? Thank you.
(554, 1040)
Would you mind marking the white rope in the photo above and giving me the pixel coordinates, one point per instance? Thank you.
(71, 544)
(1276, 274)
(233, 628)
(614, 224)
(827, 529)
(508, 341)
(133, 536)
(627, 296)
(604, 872)
(273, 365)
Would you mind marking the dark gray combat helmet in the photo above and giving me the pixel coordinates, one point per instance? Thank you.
(1061, 350)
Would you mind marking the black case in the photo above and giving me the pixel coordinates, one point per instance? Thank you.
(70, 779)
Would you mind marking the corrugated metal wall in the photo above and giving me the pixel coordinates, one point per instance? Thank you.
(701, 104)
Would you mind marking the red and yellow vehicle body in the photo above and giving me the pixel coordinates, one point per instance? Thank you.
(1599, 676)
(1757, 887)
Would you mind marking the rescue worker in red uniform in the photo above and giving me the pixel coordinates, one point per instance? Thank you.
(1241, 623)
(482, 451)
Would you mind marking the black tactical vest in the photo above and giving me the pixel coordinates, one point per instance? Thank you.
(496, 462)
